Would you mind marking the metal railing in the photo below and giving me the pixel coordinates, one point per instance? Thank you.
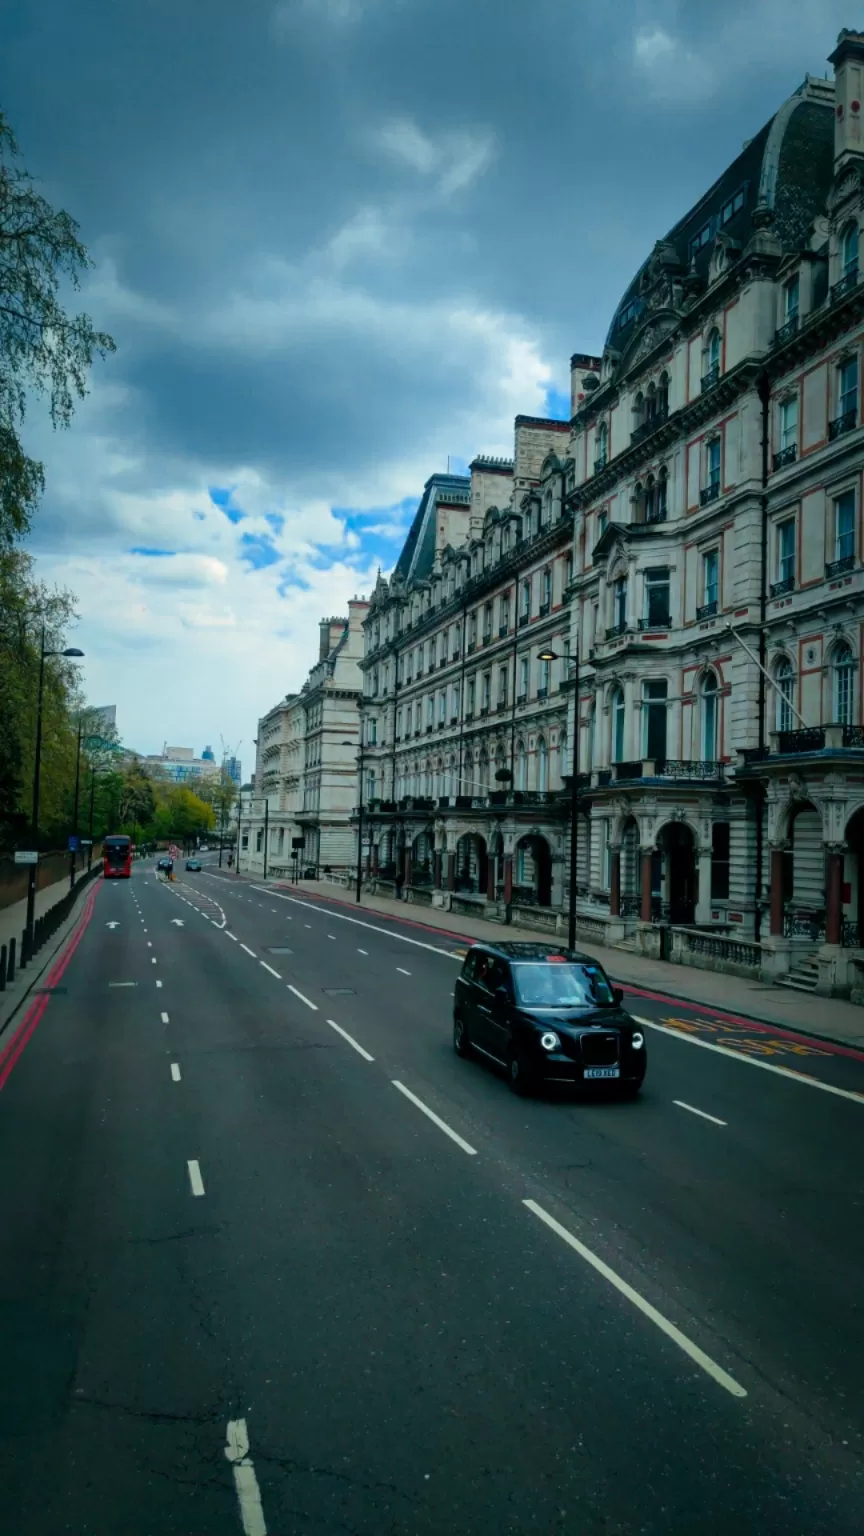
(711, 378)
(839, 567)
(803, 923)
(845, 422)
(709, 493)
(847, 282)
(781, 587)
(785, 456)
(786, 331)
(810, 739)
(707, 610)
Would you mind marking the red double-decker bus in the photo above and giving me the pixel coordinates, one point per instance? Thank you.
(117, 858)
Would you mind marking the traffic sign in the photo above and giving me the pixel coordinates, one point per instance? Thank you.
(26, 858)
(298, 842)
(73, 844)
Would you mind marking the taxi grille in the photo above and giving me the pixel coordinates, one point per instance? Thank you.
(599, 1050)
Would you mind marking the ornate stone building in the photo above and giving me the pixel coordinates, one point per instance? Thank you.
(693, 537)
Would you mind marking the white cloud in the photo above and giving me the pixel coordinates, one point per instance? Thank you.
(455, 157)
(178, 571)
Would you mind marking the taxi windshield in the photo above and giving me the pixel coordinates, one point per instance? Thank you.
(551, 984)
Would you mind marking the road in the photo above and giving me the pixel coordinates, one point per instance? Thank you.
(275, 1260)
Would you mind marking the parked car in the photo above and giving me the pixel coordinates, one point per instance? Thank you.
(194, 864)
(546, 1015)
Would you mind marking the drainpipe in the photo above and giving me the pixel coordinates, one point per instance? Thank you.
(764, 388)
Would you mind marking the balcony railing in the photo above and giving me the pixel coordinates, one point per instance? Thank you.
(781, 587)
(804, 924)
(809, 739)
(848, 281)
(471, 646)
(523, 619)
(614, 630)
(503, 627)
(709, 493)
(707, 610)
(484, 710)
(628, 770)
(786, 331)
(487, 636)
(710, 378)
(653, 622)
(839, 567)
(846, 422)
(853, 735)
(649, 425)
(656, 514)
(785, 456)
(543, 610)
(687, 768)
(600, 464)
(542, 693)
(521, 698)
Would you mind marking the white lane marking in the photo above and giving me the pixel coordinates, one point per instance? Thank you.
(153, 960)
(436, 1120)
(270, 969)
(700, 1112)
(389, 933)
(122, 983)
(363, 952)
(158, 983)
(697, 1355)
(195, 1178)
(249, 951)
(232, 936)
(332, 936)
(307, 925)
(313, 1006)
(245, 1481)
(175, 1071)
(351, 1041)
(402, 971)
(164, 1018)
(273, 909)
(765, 1066)
(149, 943)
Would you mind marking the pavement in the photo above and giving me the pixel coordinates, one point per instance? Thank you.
(275, 1260)
(12, 921)
(783, 1007)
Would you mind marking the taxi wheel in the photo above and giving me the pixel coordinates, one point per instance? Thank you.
(519, 1074)
(461, 1043)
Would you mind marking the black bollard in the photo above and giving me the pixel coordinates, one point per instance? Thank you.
(10, 974)
(2, 967)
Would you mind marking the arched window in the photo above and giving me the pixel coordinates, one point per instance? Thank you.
(844, 671)
(785, 680)
(639, 409)
(616, 711)
(542, 765)
(602, 445)
(663, 395)
(650, 500)
(483, 773)
(521, 766)
(709, 719)
(662, 494)
(370, 785)
(592, 737)
(849, 250)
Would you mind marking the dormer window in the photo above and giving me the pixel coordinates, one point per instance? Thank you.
(701, 238)
(733, 206)
(849, 251)
(791, 298)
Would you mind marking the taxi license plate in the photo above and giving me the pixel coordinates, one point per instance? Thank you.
(602, 1072)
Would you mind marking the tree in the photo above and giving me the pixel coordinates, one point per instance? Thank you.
(42, 348)
(220, 791)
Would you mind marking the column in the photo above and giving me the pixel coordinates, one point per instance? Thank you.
(436, 869)
(777, 860)
(615, 881)
(451, 869)
(645, 911)
(508, 878)
(407, 865)
(834, 897)
(490, 877)
(703, 893)
(375, 856)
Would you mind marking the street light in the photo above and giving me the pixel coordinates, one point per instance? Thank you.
(359, 882)
(71, 651)
(574, 791)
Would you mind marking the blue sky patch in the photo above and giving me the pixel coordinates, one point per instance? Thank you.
(259, 550)
(221, 498)
(141, 549)
(276, 521)
(557, 405)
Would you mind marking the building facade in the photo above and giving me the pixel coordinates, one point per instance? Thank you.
(306, 764)
(687, 550)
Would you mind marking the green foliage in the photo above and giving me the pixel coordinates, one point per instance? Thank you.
(43, 350)
(220, 792)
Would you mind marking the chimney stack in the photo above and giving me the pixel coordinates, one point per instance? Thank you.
(848, 61)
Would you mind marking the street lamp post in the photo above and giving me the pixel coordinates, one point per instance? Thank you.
(72, 850)
(572, 662)
(266, 831)
(37, 770)
(359, 873)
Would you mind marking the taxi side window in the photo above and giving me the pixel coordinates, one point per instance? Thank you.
(482, 971)
(499, 976)
(469, 969)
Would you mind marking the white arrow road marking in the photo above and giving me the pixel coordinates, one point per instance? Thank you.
(112, 925)
(179, 921)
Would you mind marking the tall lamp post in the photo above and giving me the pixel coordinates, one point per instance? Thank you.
(573, 663)
(72, 850)
(70, 650)
(359, 875)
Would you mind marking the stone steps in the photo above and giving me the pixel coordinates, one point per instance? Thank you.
(803, 977)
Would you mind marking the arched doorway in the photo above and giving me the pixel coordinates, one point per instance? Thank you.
(678, 866)
(804, 876)
(630, 873)
(533, 871)
(471, 864)
(422, 859)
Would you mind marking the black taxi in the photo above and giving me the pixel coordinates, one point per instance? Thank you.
(547, 1015)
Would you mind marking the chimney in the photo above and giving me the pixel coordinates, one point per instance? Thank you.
(324, 639)
(583, 367)
(848, 61)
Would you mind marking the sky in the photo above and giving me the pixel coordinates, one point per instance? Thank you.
(337, 242)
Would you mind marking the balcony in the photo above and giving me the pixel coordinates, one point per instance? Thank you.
(469, 713)
(707, 610)
(454, 719)
(781, 587)
(503, 628)
(785, 456)
(523, 619)
(847, 282)
(487, 636)
(651, 424)
(842, 424)
(484, 710)
(442, 725)
(521, 698)
(786, 331)
(709, 493)
(471, 646)
(656, 514)
(839, 567)
(542, 693)
(809, 739)
(613, 631)
(543, 610)
(710, 378)
(653, 622)
(600, 465)
(853, 735)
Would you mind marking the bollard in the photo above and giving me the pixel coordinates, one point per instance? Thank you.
(22, 951)
(2, 967)
(10, 974)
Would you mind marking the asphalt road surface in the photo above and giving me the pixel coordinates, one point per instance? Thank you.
(274, 1260)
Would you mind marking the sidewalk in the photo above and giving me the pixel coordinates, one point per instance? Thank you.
(12, 919)
(826, 1018)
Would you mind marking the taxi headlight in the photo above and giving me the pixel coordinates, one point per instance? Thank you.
(637, 1040)
(549, 1040)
